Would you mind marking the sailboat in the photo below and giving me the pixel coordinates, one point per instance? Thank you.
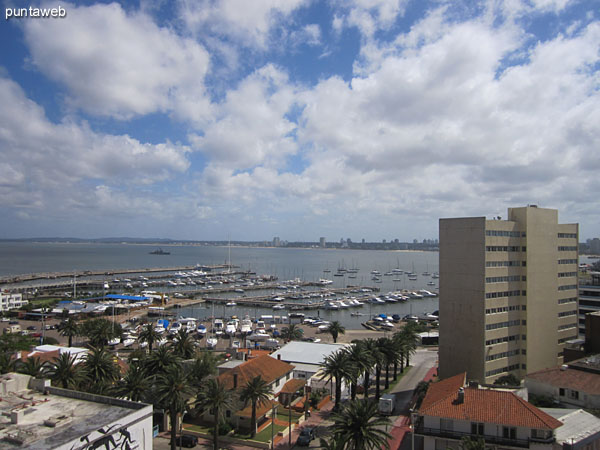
(212, 341)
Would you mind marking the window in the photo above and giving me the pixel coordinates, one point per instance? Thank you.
(509, 432)
(446, 425)
(561, 392)
(228, 414)
(477, 428)
(574, 394)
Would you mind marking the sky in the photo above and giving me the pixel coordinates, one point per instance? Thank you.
(249, 119)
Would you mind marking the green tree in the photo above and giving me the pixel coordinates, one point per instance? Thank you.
(215, 397)
(204, 366)
(64, 372)
(292, 332)
(69, 329)
(31, 366)
(174, 392)
(335, 442)
(100, 331)
(256, 392)
(183, 345)
(160, 360)
(507, 380)
(409, 338)
(335, 329)
(7, 363)
(149, 335)
(135, 384)
(370, 347)
(100, 370)
(337, 366)
(359, 425)
(469, 443)
(361, 363)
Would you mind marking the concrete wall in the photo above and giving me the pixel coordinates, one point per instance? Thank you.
(462, 295)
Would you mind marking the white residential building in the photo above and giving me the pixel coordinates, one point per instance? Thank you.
(11, 301)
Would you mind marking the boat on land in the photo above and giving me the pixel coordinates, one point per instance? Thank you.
(211, 342)
(159, 251)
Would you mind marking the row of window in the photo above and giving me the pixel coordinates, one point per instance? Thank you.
(504, 248)
(567, 248)
(505, 279)
(491, 373)
(503, 309)
(567, 287)
(567, 261)
(562, 301)
(502, 355)
(567, 274)
(508, 323)
(567, 235)
(588, 303)
(514, 337)
(567, 326)
(504, 294)
(504, 263)
(504, 233)
(565, 339)
(567, 313)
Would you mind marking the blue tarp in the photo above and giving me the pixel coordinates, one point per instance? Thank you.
(136, 298)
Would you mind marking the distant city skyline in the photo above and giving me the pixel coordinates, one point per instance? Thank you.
(299, 119)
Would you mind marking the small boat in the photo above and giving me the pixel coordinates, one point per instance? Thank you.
(127, 342)
(246, 326)
(231, 327)
(201, 329)
(114, 341)
(211, 342)
(159, 251)
(231, 303)
(279, 306)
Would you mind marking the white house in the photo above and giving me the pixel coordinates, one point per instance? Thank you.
(11, 301)
(451, 411)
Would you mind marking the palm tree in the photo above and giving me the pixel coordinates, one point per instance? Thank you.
(335, 329)
(371, 348)
(134, 385)
(337, 366)
(183, 345)
(359, 425)
(100, 370)
(149, 335)
(173, 391)
(159, 360)
(380, 361)
(204, 365)
(68, 328)
(409, 336)
(335, 442)
(31, 366)
(390, 354)
(292, 332)
(362, 363)
(257, 392)
(7, 364)
(65, 372)
(100, 331)
(216, 398)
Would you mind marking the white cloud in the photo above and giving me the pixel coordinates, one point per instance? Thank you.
(252, 128)
(119, 64)
(49, 168)
(248, 24)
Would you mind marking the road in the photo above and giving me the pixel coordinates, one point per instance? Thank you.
(421, 362)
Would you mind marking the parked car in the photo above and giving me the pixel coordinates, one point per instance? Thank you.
(186, 440)
(306, 435)
(31, 327)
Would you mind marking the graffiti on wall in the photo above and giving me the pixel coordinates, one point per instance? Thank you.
(114, 437)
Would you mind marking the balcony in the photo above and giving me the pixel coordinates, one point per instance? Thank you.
(497, 440)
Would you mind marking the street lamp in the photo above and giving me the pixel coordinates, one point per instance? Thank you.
(181, 429)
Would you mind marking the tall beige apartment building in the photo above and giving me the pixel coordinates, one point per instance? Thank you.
(508, 293)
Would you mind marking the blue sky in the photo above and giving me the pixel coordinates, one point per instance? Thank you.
(299, 119)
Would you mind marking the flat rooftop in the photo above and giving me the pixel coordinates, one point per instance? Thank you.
(36, 420)
(306, 352)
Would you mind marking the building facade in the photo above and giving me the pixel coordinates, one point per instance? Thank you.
(589, 299)
(508, 293)
(11, 301)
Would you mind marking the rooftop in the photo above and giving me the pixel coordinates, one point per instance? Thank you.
(306, 352)
(36, 420)
(483, 405)
(270, 369)
(568, 377)
(578, 425)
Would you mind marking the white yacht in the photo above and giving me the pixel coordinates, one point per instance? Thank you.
(246, 326)
(231, 328)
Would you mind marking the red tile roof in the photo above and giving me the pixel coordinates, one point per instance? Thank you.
(270, 369)
(261, 409)
(579, 380)
(484, 405)
(292, 386)
(443, 389)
